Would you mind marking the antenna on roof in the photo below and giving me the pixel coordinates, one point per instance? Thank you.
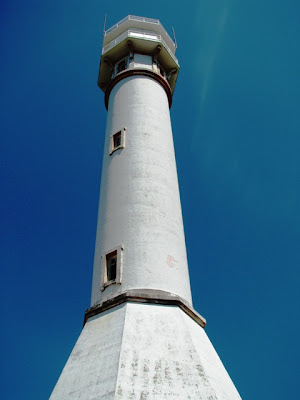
(174, 37)
(104, 24)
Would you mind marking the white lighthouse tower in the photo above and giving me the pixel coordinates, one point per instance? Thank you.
(142, 338)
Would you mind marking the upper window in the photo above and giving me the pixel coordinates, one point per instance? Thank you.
(117, 141)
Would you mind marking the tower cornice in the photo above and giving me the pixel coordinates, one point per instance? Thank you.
(145, 296)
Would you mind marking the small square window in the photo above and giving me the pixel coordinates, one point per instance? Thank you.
(111, 267)
(117, 141)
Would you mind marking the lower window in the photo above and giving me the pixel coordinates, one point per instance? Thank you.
(111, 267)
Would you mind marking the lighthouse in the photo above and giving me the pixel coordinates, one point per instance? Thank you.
(142, 339)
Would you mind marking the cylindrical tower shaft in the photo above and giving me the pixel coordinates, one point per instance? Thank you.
(140, 210)
(140, 238)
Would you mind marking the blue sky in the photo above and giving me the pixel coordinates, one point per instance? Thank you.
(236, 123)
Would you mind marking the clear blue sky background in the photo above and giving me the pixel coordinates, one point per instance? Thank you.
(236, 129)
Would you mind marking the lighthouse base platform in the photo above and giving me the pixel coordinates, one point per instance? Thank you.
(138, 351)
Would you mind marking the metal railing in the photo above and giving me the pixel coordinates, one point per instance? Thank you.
(139, 34)
(140, 19)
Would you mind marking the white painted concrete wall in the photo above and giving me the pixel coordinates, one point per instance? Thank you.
(166, 355)
(144, 352)
(139, 201)
(92, 368)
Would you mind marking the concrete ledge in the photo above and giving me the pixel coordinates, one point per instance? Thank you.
(146, 296)
(138, 72)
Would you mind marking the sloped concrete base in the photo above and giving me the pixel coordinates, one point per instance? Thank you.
(144, 352)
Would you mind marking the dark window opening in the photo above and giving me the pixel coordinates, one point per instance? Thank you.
(117, 139)
(111, 266)
(121, 66)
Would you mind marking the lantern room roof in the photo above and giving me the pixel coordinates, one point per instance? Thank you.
(141, 23)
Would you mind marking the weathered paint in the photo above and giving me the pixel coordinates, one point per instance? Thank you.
(92, 368)
(139, 200)
(144, 352)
